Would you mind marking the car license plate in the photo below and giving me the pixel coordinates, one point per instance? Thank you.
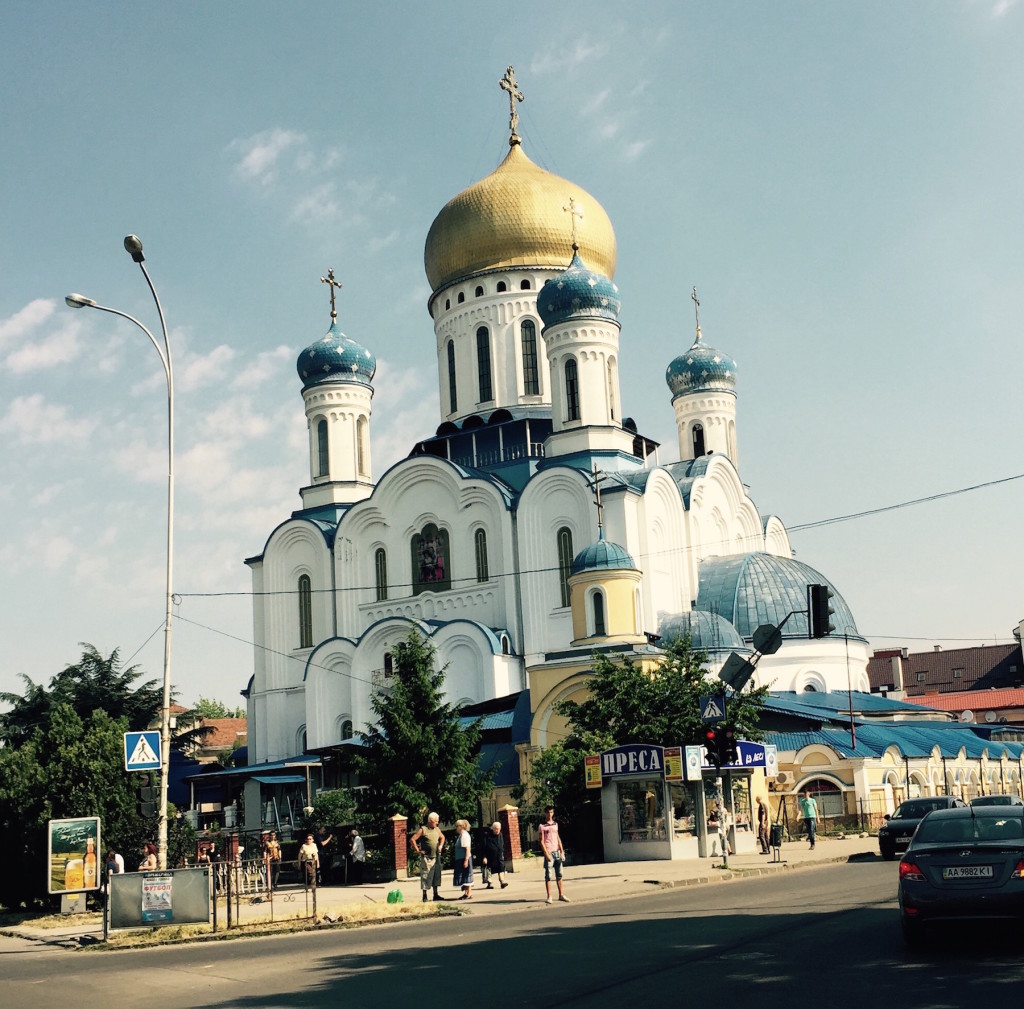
(967, 872)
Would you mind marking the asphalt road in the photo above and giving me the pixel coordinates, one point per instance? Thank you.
(827, 936)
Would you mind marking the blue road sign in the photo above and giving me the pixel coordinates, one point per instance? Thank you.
(712, 708)
(142, 751)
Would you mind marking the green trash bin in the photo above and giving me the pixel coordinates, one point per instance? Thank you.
(775, 835)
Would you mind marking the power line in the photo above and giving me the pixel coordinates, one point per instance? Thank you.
(903, 504)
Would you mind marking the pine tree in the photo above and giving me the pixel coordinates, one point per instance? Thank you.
(418, 756)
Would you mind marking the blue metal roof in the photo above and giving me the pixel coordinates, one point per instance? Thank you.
(335, 358)
(759, 588)
(701, 367)
(578, 293)
(603, 556)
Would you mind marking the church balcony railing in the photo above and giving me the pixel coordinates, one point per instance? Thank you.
(382, 680)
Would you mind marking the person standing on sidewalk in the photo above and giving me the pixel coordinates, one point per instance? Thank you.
(554, 854)
(462, 860)
(809, 811)
(428, 842)
(309, 862)
(493, 857)
(763, 819)
(356, 858)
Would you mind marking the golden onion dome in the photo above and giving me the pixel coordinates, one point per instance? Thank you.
(516, 216)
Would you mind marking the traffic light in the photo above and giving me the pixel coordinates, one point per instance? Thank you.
(727, 746)
(146, 791)
(711, 747)
(819, 611)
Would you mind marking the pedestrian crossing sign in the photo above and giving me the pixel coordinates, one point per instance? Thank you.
(712, 708)
(142, 751)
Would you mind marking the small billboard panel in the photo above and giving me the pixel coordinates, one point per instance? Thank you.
(73, 857)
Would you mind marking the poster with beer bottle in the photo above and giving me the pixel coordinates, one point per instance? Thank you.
(73, 861)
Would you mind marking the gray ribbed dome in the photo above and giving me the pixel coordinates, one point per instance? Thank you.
(710, 632)
(758, 588)
(603, 556)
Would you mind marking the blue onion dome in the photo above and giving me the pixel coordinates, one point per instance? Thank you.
(578, 293)
(701, 368)
(335, 358)
(603, 556)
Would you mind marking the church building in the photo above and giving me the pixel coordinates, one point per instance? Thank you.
(535, 525)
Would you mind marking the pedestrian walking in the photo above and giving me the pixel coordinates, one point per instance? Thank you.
(492, 859)
(724, 827)
(462, 860)
(309, 861)
(809, 812)
(428, 842)
(148, 857)
(554, 854)
(274, 857)
(356, 858)
(763, 820)
(321, 839)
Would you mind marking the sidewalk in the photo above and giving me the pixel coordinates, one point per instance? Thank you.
(524, 892)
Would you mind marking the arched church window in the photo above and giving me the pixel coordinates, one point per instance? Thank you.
(598, 606)
(461, 298)
(524, 285)
(380, 570)
(505, 646)
(565, 556)
(572, 390)
(531, 378)
(502, 287)
(431, 563)
(346, 729)
(698, 441)
(322, 457)
(483, 363)
(305, 612)
(479, 292)
(361, 428)
(452, 397)
(480, 543)
(447, 303)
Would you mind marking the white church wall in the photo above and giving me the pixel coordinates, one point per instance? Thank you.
(664, 552)
(554, 498)
(330, 689)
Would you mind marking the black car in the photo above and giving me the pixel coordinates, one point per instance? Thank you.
(963, 864)
(997, 800)
(895, 834)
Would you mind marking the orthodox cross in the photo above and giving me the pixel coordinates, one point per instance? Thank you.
(574, 209)
(598, 477)
(508, 83)
(329, 279)
(696, 310)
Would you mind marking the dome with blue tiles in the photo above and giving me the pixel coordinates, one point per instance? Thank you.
(603, 556)
(759, 588)
(701, 368)
(335, 358)
(710, 632)
(578, 293)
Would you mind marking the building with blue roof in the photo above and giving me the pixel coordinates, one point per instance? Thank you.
(486, 539)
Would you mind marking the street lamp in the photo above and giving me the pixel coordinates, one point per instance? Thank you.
(133, 245)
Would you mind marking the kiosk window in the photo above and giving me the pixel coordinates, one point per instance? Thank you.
(642, 810)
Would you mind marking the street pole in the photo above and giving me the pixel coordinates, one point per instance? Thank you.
(133, 246)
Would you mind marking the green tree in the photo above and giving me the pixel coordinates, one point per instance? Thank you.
(629, 704)
(417, 754)
(660, 705)
(208, 707)
(94, 683)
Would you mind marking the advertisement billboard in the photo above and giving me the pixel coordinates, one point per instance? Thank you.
(74, 855)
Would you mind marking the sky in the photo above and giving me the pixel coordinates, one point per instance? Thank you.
(841, 182)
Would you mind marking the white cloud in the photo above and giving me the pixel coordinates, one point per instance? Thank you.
(1002, 7)
(203, 369)
(268, 364)
(61, 347)
(26, 320)
(634, 150)
(261, 154)
(33, 421)
(558, 58)
(317, 205)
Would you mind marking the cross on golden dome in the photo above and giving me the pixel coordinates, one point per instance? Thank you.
(576, 211)
(508, 83)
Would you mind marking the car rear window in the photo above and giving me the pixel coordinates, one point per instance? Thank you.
(918, 810)
(968, 828)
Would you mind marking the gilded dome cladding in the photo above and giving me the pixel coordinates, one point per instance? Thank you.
(516, 217)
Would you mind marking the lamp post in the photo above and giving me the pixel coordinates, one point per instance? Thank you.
(133, 245)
